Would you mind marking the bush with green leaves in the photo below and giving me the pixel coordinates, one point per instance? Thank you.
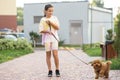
(109, 35)
(115, 64)
(117, 37)
(61, 42)
(20, 44)
(34, 35)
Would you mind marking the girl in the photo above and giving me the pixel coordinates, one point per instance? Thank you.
(49, 25)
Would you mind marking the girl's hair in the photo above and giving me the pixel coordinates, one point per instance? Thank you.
(47, 7)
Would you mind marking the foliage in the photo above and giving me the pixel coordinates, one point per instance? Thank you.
(10, 49)
(61, 42)
(115, 64)
(117, 38)
(20, 44)
(34, 35)
(19, 16)
(109, 36)
(98, 3)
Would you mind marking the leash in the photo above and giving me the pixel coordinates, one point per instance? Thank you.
(68, 49)
(52, 33)
(76, 57)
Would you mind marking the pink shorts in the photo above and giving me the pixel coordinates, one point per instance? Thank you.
(49, 46)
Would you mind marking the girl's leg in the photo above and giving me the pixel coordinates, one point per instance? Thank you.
(48, 54)
(48, 59)
(56, 59)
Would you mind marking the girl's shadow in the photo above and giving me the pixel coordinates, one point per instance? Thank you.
(54, 78)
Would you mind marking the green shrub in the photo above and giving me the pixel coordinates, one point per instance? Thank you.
(20, 44)
(10, 49)
(34, 36)
(6, 44)
(115, 64)
(61, 42)
(109, 35)
(117, 37)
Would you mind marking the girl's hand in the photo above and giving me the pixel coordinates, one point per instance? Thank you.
(48, 22)
(55, 26)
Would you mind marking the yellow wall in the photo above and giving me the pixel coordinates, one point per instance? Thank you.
(8, 7)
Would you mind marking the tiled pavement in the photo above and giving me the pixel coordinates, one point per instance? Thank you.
(33, 67)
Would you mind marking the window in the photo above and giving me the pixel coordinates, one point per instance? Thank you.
(37, 19)
(76, 24)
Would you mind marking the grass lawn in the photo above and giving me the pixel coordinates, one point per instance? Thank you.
(6, 55)
(93, 51)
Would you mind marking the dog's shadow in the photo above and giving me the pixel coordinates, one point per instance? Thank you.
(102, 79)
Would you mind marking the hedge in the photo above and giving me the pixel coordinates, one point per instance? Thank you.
(20, 44)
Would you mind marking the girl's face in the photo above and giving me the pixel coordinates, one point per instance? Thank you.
(49, 12)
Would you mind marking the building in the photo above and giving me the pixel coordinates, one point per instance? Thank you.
(100, 20)
(76, 19)
(8, 14)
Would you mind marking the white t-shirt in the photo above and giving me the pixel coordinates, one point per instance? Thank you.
(46, 37)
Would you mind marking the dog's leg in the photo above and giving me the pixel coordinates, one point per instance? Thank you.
(106, 74)
(97, 75)
(101, 73)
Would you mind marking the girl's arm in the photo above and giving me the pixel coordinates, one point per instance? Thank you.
(45, 32)
(55, 26)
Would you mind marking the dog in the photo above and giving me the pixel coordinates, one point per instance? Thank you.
(101, 69)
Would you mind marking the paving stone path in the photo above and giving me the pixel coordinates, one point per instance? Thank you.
(33, 67)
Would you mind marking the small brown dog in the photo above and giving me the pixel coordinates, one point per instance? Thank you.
(101, 68)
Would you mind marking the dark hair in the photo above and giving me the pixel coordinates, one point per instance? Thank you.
(47, 7)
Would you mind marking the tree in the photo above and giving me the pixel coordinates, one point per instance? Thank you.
(98, 3)
(117, 38)
(19, 16)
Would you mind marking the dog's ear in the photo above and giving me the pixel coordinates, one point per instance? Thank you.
(91, 63)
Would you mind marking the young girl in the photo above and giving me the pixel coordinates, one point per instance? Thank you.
(49, 25)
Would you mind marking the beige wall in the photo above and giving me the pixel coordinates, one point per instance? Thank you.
(7, 7)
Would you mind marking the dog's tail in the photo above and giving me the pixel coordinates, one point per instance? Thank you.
(108, 63)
